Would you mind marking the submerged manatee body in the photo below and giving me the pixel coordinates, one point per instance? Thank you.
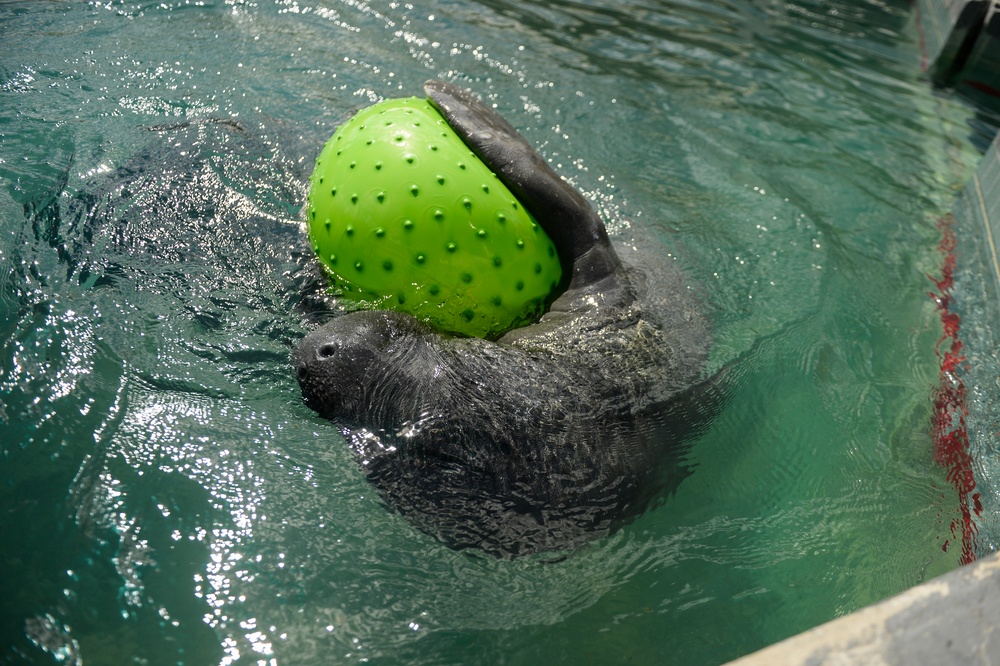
(550, 436)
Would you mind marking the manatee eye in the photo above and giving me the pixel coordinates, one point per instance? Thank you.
(326, 351)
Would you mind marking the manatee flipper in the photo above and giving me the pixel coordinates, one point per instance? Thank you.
(574, 227)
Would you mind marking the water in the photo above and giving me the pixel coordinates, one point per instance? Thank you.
(166, 498)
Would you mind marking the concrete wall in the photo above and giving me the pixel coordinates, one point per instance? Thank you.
(949, 28)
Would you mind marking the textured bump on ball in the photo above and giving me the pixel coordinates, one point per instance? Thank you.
(396, 188)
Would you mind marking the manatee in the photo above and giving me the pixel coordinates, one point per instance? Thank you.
(551, 436)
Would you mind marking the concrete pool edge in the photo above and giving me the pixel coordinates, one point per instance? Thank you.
(951, 619)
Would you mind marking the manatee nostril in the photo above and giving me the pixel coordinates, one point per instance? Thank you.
(327, 350)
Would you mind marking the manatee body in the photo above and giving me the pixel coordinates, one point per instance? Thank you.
(556, 433)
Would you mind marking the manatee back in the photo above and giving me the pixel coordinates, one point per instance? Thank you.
(643, 331)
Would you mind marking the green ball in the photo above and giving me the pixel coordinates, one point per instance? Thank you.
(404, 216)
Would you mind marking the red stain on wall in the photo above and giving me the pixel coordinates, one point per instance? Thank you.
(951, 437)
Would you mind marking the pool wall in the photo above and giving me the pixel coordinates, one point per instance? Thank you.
(960, 40)
(949, 29)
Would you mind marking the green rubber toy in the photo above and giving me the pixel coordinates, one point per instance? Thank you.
(404, 216)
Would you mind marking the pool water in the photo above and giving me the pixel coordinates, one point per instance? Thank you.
(166, 498)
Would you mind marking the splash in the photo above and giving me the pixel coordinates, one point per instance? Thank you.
(949, 429)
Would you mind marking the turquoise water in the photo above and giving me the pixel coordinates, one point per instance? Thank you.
(166, 498)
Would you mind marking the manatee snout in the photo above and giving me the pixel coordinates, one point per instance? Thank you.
(336, 363)
(318, 362)
(309, 356)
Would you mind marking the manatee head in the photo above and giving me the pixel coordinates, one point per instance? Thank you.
(341, 364)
